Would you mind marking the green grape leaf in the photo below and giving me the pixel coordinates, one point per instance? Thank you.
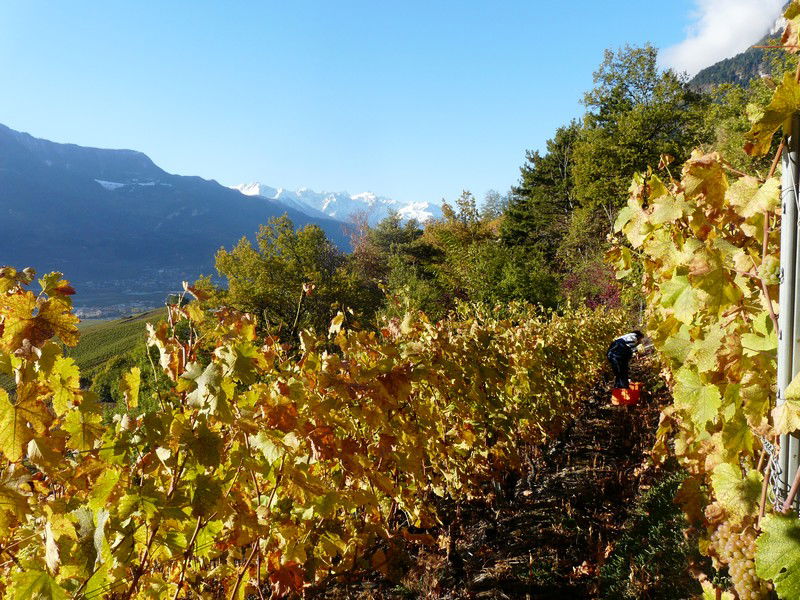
(634, 222)
(736, 436)
(678, 346)
(206, 446)
(206, 495)
(206, 538)
(54, 285)
(778, 554)
(667, 208)
(240, 361)
(701, 400)
(267, 446)
(785, 102)
(102, 488)
(753, 343)
(36, 585)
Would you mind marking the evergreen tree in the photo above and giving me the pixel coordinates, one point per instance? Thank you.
(539, 207)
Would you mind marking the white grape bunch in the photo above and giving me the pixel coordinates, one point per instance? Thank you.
(734, 544)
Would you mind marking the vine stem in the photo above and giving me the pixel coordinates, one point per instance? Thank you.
(736, 171)
(244, 569)
(299, 308)
(763, 503)
(761, 458)
(146, 554)
(187, 556)
(142, 563)
(777, 158)
(787, 505)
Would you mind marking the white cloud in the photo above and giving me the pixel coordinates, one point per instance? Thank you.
(721, 29)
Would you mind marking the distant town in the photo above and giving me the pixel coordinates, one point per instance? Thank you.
(114, 298)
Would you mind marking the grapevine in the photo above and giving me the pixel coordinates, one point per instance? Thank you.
(709, 246)
(265, 466)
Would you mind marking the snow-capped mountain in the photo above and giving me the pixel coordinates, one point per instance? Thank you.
(342, 205)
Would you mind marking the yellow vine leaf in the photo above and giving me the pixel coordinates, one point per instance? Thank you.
(14, 419)
(84, 425)
(64, 381)
(786, 416)
(129, 386)
(791, 34)
(704, 178)
(704, 352)
(711, 593)
(748, 196)
(678, 346)
(738, 495)
(667, 209)
(13, 503)
(785, 102)
(679, 294)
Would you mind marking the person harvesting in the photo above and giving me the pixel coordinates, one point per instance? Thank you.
(619, 355)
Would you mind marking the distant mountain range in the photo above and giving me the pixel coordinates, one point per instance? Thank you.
(123, 229)
(342, 205)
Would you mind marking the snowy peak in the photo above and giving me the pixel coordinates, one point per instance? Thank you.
(341, 205)
(256, 189)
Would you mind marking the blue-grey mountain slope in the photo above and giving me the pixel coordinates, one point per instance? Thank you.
(117, 224)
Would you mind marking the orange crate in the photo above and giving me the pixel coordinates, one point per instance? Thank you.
(627, 397)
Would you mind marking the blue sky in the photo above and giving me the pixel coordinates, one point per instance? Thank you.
(414, 100)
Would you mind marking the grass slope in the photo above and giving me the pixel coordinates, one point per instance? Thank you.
(103, 341)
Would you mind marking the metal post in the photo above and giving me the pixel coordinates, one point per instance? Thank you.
(789, 316)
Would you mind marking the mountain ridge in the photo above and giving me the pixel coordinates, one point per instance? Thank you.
(120, 227)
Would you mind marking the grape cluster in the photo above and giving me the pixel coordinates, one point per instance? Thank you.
(735, 545)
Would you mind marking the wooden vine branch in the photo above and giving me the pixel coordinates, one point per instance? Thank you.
(243, 571)
(763, 502)
(787, 504)
(188, 556)
(774, 166)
